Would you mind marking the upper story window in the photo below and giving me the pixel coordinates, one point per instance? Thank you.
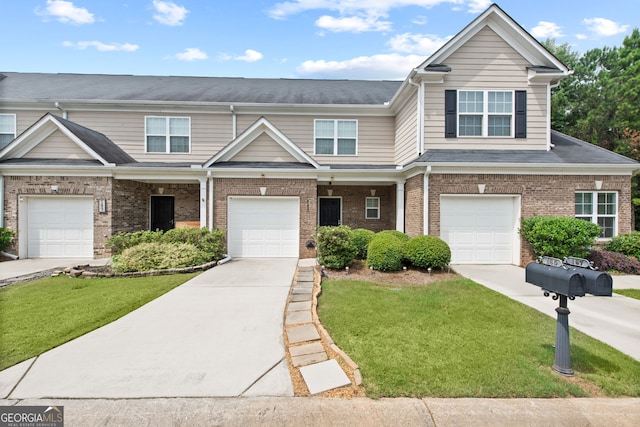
(336, 137)
(7, 129)
(486, 113)
(168, 134)
(599, 207)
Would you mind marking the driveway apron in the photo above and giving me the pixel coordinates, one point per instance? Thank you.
(218, 335)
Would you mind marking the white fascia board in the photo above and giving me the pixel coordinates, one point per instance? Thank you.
(526, 169)
(55, 170)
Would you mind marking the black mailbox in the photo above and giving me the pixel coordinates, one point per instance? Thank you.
(560, 280)
(597, 283)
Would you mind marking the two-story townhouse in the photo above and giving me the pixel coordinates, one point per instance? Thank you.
(462, 149)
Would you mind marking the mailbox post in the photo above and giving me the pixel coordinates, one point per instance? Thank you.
(566, 280)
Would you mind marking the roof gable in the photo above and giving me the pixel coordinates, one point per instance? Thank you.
(252, 134)
(95, 145)
(509, 30)
(57, 145)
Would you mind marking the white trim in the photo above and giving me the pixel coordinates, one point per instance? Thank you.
(485, 113)
(366, 207)
(203, 202)
(167, 135)
(261, 126)
(594, 216)
(1, 201)
(336, 137)
(400, 196)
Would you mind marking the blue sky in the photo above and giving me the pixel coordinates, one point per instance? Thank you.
(335, 39)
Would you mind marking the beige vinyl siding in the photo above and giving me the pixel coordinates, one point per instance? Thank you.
(406, 132)
(56, 146)
(26, 118)
(375, 136)
(209, 133)
(486, 62)
(263, 149)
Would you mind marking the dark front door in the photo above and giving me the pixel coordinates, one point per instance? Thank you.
(330, 211)
(162, 213)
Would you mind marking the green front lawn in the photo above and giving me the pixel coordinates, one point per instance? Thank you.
(457, 338)
(631, 293)
(40, 315)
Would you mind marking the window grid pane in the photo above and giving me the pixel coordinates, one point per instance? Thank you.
(5, 139)
(470, 126)
(599, 208)
(606, 203)
(8, 124)
(372, 210)
(324, 129)
(500, 102)
(156, 126)
(471, 102)
(179, 126)
(346, 146)
(584, 204)
(346, 129)
(179, 144)
(324, 146)
(336, 137)
(156, 144)
(499, 125)
(608, 226)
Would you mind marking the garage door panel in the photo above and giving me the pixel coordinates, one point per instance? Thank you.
(263, 227)
(479, 229)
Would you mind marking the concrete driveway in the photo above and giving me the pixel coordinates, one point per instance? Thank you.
(613, 320)
(218, 335)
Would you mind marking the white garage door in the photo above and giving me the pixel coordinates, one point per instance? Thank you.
(59, 227)
(480, 230)
(263, 227)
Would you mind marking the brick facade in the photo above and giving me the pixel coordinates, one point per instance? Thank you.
(540, 195)
(414, 206)
(303, 188)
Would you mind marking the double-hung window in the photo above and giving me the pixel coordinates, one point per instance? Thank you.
(599, 207)
(336, 137)
(168, 134)
(7, 129)
(372, 210)
(485, 113)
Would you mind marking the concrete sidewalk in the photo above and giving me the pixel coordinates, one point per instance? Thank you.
(310, 411)
(613, 320)
(30, 266)
(218, 335)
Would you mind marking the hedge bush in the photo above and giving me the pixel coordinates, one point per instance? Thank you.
(427, 252)
(559, 236)
(385, 252)
(360, 238)
(6, 238)
(399, 234)
(335, 247)
(616, 261)
(124, 240)
(628, 244)
(158, 256)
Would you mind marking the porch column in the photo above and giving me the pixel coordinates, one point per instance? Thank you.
(203, 202)
(400, 204)
(1, 201)
(210, 203)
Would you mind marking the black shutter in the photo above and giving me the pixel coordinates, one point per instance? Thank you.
(521, 114)
(450, 120)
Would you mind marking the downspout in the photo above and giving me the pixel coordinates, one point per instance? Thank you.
(425, 202)
(419, 117)
(203, 202)
(64, 112)
(1, 201)
(234, 130)
(210, 178)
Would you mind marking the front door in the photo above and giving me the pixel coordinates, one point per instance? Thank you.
(162, 213)
(330, 211)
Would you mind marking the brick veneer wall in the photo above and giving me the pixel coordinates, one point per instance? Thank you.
(540, 195)
(353, 205)
(99, 188)
(414, 206)
(303, 188)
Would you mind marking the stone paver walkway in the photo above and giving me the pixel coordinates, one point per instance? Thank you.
(305, 336)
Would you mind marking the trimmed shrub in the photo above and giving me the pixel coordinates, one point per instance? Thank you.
(158, 256)
(628, 244)
(559, 236)
(399, 234)
(385, 252)
(427, 252)
(607, 260)
(360, 238)
(6, 238)
(212, 243)
(123, 240)
(335, 248)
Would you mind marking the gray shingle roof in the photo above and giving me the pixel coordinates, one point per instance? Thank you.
(98, 142)
(566, 150)
(61, 87)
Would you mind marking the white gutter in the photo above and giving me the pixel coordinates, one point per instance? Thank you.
(210, 200)
(234, 127)
(64, 112)
(419, 116)
(425, 202)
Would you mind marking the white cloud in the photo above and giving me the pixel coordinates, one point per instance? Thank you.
(420, 20)
(191, 54)
(66, 12)
(250, 55)
(546, 29)
(582, 36)
(419, 44)
(169, 13)
(102, 47)
(354, 24)
(477, 6)
(385, 66)
(604, 27)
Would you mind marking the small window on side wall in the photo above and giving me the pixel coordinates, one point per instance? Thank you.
(599, 207)
(372, 209)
